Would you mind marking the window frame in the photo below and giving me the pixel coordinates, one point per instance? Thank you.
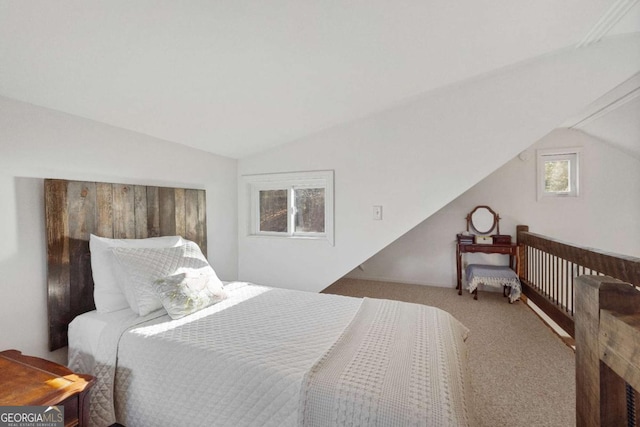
(291, 181)
(560, 154)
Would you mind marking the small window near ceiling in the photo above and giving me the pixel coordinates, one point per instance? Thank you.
(292, 205)
(558, 173)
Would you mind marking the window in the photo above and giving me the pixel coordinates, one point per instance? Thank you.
(558, 173)
(296, 205)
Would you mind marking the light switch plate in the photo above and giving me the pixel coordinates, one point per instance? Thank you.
(377, 213)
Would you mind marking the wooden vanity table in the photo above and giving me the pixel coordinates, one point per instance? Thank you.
(484, 221)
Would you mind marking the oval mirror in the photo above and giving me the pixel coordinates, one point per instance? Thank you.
(483, 220)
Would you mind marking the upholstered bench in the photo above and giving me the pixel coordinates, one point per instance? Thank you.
(494, 276)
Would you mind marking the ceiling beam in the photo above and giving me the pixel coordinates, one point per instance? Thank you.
(609, 20)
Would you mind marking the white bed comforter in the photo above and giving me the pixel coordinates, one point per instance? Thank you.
(397, 364)
(273, 357)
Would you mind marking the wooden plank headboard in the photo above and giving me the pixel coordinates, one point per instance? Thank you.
(75, 209)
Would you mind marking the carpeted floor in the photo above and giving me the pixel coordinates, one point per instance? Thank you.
(522, 374)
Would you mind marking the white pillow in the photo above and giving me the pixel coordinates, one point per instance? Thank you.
(143, 266)
(186, 293)
(107, 292)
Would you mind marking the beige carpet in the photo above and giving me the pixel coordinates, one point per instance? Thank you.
(522, 373)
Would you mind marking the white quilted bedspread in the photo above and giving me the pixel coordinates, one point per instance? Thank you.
(248, 361)
(397, 364)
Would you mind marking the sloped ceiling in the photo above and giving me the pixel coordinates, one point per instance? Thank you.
(237, 77)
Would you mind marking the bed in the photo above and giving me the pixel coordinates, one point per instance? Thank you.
(252, 355)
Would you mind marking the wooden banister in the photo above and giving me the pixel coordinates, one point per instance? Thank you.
(607, 325)
(619, 341)
(593, 295)
(548, 268)
(622, 267)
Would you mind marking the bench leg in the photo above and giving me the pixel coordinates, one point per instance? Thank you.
(505, 294)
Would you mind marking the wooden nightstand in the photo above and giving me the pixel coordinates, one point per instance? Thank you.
(31, 381)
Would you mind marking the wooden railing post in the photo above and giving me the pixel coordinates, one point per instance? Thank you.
(600, 392)
(522, 259)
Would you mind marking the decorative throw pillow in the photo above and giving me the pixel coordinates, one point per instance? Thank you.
(186, 293)
(141, 267)
(107, 292)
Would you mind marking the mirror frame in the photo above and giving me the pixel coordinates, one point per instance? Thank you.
(494, 226)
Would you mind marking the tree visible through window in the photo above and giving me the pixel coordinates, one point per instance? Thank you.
(558, 172)
(274, 207)
(556, 176)
(309, 204)
(296, 204)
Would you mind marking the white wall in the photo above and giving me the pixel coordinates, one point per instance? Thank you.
(604, 216)
(37, 143)
(417, 158)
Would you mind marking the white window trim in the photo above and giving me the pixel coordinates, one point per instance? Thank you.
(290, 181)
(571, 154)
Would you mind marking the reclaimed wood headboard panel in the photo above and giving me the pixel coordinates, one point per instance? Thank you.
(75, 209)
